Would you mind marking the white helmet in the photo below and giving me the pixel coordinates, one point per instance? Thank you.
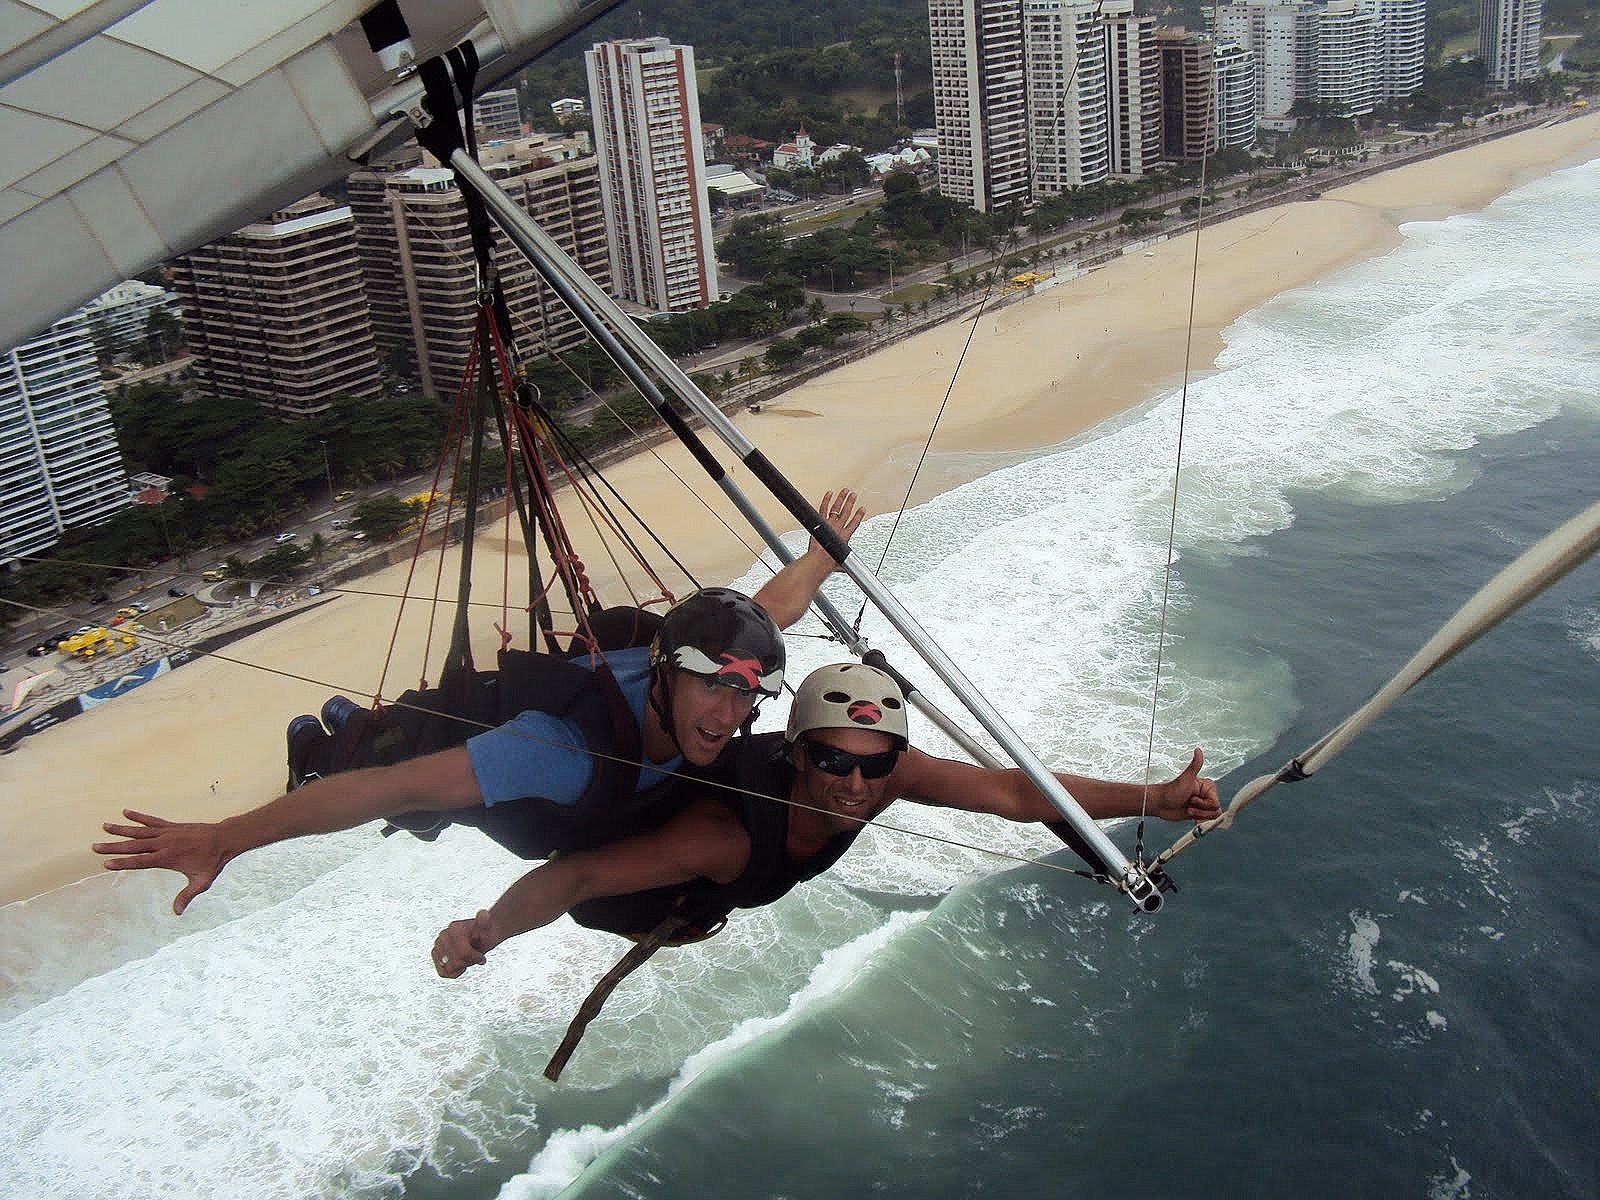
(849, 696)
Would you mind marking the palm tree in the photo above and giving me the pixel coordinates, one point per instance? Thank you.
(316, 547)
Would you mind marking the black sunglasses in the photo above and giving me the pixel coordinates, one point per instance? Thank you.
(841, 762)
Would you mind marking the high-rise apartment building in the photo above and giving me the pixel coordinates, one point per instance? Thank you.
(1188, 95)
(1510, 35)
(1282, 39)
(980, 101)
(1234, 74)
(1402, 46)
(58, 451)
(1347, 57)
(498, 113)
(1347, 54)
(646, 111)
(119, 316)
(1068, 106)
(277, 312)
(421, 269)
(1133, 62)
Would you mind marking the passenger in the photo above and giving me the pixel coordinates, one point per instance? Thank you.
(802, 798)
(576, 756)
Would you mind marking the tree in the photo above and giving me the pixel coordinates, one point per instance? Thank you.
(782, 352)
(281, 562)
(163, 335)
(381, 516)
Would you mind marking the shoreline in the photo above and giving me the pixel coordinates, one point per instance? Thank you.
(207, 741)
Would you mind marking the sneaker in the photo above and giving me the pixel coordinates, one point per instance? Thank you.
(305, 736)
(337, 711)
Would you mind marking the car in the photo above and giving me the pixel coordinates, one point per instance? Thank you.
(339, 522)
(176, 593)
(98, 598)
(283, 539)
(340, 496)
(358, 536)
(213, 574)
(141, 606)
(48, 643)
(129, 611)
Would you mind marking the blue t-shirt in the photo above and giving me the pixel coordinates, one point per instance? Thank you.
(536, 754)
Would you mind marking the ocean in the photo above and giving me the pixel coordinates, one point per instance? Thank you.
(1380, 982)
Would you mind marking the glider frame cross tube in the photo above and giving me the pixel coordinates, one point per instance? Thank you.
(582, 293)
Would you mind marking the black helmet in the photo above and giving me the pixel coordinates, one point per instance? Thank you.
(723, 635)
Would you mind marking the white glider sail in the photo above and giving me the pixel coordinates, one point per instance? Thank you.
(133, 132)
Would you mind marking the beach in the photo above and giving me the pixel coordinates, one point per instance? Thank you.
(206, 740)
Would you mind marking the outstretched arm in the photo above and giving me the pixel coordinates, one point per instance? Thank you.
(788, 594)
(704, 841)
(1010, 794)
(199, 850)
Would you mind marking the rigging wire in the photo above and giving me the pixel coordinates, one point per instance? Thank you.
(1177, 462)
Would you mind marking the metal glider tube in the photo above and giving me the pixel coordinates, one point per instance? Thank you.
(586, 298)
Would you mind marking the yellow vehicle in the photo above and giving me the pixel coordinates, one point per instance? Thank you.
(96, 641)
(422, 499)
(128, 612)
(339, 496)
(212, 574)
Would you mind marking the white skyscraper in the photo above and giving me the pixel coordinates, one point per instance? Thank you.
(1068, 118)
(980, 101)
(58, 453)
(1347, 57)
(652, 173)
(1402, 46)
(1234, 81)
(1282, 39)
(1510, 33)
(1349, 54)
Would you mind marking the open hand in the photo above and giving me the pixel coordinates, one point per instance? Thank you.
(842, 513)
(192, 848)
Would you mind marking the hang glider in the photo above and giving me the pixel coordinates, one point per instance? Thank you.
(132, 131)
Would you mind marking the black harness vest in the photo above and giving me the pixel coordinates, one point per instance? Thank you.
(757, 765)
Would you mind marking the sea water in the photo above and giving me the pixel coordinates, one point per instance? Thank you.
(1380, 982)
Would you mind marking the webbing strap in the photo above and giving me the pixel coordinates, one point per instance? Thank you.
(590, 1008)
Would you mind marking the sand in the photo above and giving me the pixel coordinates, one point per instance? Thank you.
(206, 740)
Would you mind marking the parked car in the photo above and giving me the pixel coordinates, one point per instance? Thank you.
(49, 644)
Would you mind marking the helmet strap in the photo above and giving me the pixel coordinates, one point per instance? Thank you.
(661, 703)
(755, 711)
